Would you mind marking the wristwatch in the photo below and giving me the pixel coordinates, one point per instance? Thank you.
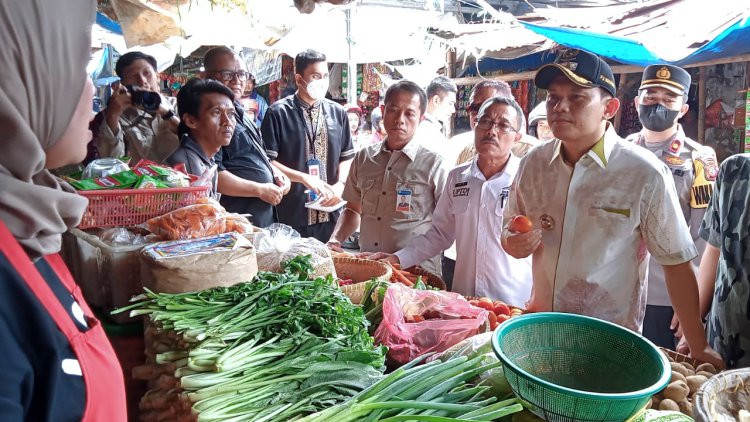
(168, 115)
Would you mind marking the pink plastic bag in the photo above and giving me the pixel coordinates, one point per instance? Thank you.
(454, 320)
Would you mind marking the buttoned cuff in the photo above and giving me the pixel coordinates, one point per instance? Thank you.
(680, 257)
(407, 257)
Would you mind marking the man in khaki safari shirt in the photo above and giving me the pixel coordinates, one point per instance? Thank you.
(393, 187)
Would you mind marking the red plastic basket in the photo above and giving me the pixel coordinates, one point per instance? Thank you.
(129, 207)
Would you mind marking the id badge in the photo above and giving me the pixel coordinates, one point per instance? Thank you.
(313, 169)
(403, 198)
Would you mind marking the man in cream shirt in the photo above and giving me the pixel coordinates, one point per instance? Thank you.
(599, 205)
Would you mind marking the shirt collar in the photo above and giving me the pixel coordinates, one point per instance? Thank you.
(600, 152)
(304, 105)
(410, 149)
(511, 167)
(191, 144)
(432, 119)
(673, 144)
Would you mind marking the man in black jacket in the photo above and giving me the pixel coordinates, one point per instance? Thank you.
(248, 183)
(308, 139)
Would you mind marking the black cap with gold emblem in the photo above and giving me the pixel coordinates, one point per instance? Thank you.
(581, 67)
(673, 78)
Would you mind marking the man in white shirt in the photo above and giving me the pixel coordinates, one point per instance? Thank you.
(599, 204)
(441, 105)
(470, 211)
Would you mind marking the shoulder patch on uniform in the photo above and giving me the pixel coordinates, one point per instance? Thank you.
(705, 157)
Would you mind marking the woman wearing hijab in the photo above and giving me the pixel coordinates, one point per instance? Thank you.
(57, 362)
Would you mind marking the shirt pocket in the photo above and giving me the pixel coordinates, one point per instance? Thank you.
(370, 194)
(613, 221)
(459, 205)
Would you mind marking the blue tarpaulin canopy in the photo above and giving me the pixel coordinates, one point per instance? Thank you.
(680, 32)
(732, 41)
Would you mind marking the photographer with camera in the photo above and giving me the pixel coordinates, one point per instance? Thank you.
(139, 121)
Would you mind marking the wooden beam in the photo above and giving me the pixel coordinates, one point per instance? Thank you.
(621, 97)
(702, 105)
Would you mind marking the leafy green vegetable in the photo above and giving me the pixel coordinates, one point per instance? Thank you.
(274, 348)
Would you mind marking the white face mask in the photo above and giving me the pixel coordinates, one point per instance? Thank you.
(317, 88)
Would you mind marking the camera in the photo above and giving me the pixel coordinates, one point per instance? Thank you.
(146, 100)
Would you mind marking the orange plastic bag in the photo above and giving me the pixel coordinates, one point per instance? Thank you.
(205, 218)
(416, 322)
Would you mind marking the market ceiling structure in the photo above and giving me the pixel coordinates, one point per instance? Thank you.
(623, 31)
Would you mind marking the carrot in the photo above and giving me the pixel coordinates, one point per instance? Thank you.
(410, 276)
(401, 278)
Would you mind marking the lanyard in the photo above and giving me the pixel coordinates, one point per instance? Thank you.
(315, 126)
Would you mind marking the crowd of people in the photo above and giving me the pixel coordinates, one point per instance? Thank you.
(647, 232)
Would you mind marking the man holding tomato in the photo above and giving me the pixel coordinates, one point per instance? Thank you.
(599, 205)
(470, 212)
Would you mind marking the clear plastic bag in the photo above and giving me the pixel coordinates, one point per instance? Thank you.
(121, 236)
(205, 218)
(445, 319)
(280, 243)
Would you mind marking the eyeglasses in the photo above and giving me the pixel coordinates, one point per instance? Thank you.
(473, 108)
(228, 75)
(503, 126)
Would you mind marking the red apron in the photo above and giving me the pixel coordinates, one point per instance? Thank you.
(102, 375)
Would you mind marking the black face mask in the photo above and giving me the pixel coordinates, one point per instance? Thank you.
(656, 117)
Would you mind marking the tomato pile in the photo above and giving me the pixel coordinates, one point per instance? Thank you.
(499, 311)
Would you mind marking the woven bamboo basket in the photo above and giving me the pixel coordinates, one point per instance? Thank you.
(359, 271)
(429, 278)
(511, 307)
(679, 357)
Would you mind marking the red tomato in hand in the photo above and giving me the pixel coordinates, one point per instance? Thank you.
(520, 224)
(501, 309)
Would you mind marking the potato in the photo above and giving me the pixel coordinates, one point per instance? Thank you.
(689, 367)
(668, 404)
(655, 402)
(706, 367)
(676, 376)
(686, 407)
(705, 374)
(676, 391)
(694, 382)
(676, 367)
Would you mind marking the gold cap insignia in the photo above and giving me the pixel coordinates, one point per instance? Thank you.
(663, 73)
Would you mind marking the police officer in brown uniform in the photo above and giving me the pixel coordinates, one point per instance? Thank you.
(661, 102)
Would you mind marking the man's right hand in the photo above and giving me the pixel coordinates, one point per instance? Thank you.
(322, 189)
(521, 245)
(271, 193)
(119, 101)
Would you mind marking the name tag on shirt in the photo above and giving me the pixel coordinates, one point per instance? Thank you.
(461, 189)
(403, 198)
(313, 169)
